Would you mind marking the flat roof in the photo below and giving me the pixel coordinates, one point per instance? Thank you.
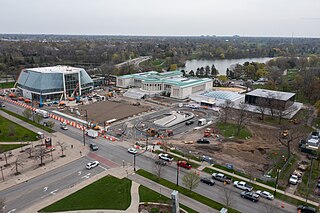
(284, 96)
(55, 69)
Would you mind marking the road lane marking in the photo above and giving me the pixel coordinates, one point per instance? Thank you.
(86, 176)
(79, 173)
(54, 192)
(103, 167)
(13, 210)
(45, 189)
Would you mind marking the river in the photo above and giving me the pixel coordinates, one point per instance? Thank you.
(220, 64)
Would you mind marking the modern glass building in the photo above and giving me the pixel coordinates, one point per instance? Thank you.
(54, 83)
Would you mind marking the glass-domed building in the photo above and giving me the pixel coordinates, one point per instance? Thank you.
(54, 83)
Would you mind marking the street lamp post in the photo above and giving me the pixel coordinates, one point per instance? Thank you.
(177, 175)
(2, 173)
(83, 128)
(134, 162)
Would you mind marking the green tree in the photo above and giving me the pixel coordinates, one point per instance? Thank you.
(222, 78)
(214, 71)
(38, 118)
(207, 71)
(173, 67)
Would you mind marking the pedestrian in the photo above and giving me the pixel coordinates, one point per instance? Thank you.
(80, 153)
(71, 146)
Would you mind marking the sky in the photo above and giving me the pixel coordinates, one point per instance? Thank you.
(286, 18)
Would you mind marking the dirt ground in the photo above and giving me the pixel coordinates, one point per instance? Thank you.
(249, 155)
(107, 110)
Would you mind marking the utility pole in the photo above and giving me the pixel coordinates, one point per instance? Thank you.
(134, 162)
(2, 173)
(178, 175)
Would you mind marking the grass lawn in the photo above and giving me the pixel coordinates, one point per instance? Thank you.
(316, 122)
(107, 193)
(229, 130)
(8, 147)
(148, 195)
(302, 187)
(183, 155)
(12, 132)
(205, 200)
(29, 121)
(7, 84)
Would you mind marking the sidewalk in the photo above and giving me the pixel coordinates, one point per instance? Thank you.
(248, 180)
(193, 204)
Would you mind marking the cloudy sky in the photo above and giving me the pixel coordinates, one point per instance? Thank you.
(300, 18)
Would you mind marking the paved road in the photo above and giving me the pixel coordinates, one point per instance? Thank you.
(51, 183)
(115, 152)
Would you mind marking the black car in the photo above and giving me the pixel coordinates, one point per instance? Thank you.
(93, 146)
(250, 196)
(203, 140)
(208, 181)
(160, 162)
(189, 122)
(306, 209)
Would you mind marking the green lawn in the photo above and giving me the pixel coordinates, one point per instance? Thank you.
(148, 195)
(229, 130)
(7, 84)
(8, 147)
(205, 200)
(12, 132)
(107, 193)
(29, 121)
(302, 187)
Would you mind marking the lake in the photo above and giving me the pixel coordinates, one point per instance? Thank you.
(220, 64)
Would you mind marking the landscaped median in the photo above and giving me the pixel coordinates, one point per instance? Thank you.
(107, 193)
(28, 121)
(184, 191)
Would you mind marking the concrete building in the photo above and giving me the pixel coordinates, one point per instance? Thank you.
(278, 100)
(54, 83)
(172, 84)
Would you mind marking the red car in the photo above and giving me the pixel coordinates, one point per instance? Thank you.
(184, 164)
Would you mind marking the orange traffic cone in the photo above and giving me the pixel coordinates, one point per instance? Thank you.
(282, 205)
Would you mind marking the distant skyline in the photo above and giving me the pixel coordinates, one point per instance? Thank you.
(261, 18)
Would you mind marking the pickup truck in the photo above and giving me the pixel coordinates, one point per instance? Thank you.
(165, 157)
(243, 185)
(221, 177)
(184, 164)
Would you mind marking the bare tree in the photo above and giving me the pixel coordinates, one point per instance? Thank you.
(19, 161)
(226, 110)
(38, 118)
(158, 168)
(63, 147)
(40, 154)
(50, 124)
(281, 113)
(228, 196)
(191, 180)
(27, 113)
(2, 204)
(262, 106)
(30, 151)
(5, 155)
(241, 117)
(289, 134)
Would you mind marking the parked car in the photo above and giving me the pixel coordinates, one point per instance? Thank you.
(208, 181)
(92, 164)
(94, 147)
(306, 209)
(265, 194)
(132, 151)
(184, 164)
(243, 185)
(250, 196)
(165, 157)
(189, 123)
(64, 127)
(221, 177)
(203, 140)
(294, 179)
(160, 162)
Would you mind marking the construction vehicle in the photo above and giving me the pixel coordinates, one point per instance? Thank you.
(285, 133)
(294, 121)
(20, 98)
(110, 94)
(151, 132)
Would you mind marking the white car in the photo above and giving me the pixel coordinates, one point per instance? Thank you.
(132, 151)
(294, 179)
(92, 164)
(243, 185)
(165, 157)
(265, 194)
